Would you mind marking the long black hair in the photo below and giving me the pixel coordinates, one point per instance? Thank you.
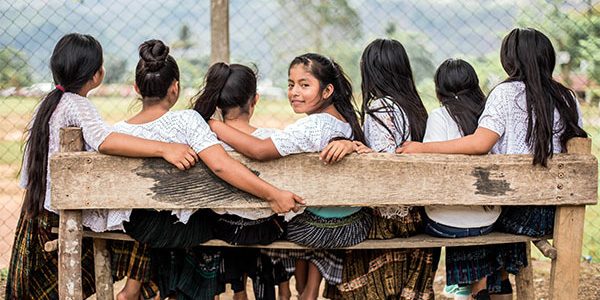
(225, 86)
(156, 70)
(74, 61)
(527, 55)
(327, 71)
(386, 73)
(457, 88)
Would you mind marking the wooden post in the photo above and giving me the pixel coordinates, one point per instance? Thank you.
(568, 239)
(524, 280)
(70, 231)
(102, 268)
(219, 31)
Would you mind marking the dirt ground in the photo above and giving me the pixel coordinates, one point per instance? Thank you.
(589, 289)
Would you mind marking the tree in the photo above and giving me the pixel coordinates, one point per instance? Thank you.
(185, 41)
(15, 71)
(116, 68)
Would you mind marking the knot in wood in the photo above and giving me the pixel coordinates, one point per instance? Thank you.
(559, 186)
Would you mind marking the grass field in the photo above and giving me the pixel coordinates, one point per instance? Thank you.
(16, 112)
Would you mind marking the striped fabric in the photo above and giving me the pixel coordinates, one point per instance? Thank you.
(310, 230)
(329, 263)
(132, 260)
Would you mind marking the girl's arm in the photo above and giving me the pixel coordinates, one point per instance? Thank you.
(233, 172)
(180, 155)
(245, 144)
(480, 142)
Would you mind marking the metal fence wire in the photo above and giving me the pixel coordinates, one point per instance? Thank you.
(267, 35)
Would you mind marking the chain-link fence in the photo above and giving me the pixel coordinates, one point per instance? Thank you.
(269, 34)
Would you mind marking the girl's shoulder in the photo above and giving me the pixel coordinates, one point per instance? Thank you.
(263, 133)
(383, 102)
(508, 88)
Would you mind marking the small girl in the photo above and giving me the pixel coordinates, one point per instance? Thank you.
(457, 89)
(232, 89)
(157, 81)
(76, 66)
(318, 87)
(528, 113)
(393, 113)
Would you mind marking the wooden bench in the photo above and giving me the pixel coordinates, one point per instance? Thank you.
(85, 180)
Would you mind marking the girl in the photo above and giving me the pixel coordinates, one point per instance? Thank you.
(232, 89)
(76, 66)
(157, 81)
(318, 87)
(457, 89)
(393, 113)
(529, 113)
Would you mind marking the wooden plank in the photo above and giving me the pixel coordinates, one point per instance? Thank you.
(69, 232)
(219, 31)
(524, 280)
(418, 241)
(102, 270)
(568, 240)
(81, 181)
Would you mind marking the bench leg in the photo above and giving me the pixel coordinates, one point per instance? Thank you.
(102, 267)
(69, 255)
(568, 239)
(524, 280)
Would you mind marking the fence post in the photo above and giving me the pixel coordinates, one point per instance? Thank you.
(568, 239)
(219, 31)
(70, 231)
(524, 280)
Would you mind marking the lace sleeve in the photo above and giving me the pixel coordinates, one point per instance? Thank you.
(199, 136)
(300, 137)
(385, 128)
(81, 112)
(495, 114)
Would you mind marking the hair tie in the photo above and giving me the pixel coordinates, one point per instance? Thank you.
(456, 97)
(60, 88)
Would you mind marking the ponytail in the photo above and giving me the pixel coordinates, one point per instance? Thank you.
(225, 86)
(75, 60)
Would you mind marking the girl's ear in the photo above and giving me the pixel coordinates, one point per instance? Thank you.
(137, 89)
(98, 77)
(255, 100)
(174, 88)
(327, 91)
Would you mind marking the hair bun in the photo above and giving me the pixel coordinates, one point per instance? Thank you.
(154, 53)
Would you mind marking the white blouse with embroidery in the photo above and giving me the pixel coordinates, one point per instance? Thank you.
(73, 110)
(185, 127)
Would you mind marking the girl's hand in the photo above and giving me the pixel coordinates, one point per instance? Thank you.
(336, 150)
(180, 155)
(410, 147)
(284, 201)
(360, 148)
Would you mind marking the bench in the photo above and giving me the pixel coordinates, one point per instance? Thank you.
(86, 180)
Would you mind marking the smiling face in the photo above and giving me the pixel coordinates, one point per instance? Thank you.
(304, 91)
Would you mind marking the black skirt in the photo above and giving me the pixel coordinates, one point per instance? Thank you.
(161, 229)
(236, 230)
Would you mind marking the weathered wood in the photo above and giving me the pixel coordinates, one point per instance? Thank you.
(418, 241)
(51, 246)
(546, 249)
(69, 253)
(219, 31)
(102, 269)
(568, 239)
(69, 232)
(524, 280)
(81, 181)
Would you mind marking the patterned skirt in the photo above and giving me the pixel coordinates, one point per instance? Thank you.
(328, 262)
(33, 272)
(466, 265)
(308, 229)
(388, 274)
(236, 230)
(186, 273)
(527, 220)
(161, 229)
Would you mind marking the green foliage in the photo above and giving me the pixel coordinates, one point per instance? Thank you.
(185, 40)
(192, 71)
(116, 68)
(15, 71)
